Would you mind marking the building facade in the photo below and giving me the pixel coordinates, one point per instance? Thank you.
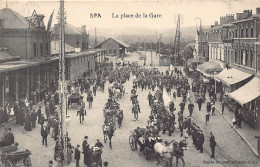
(113, 47)
(75, 37)
(24, 38)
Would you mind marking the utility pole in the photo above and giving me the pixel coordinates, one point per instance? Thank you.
(151, 53)
(144, 55)
(62, 85)
(156, 45)
(176, 47)
(95, 38)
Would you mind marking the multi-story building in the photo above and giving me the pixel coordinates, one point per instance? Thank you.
(24, 36)
(27, 65)
(75, 37)
(201, 44)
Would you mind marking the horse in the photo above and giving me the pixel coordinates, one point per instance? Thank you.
(168, 152)
(110, 133)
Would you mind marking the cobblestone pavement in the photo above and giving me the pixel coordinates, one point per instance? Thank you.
(231, 148)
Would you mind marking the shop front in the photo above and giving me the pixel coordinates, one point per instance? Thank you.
(248, 98)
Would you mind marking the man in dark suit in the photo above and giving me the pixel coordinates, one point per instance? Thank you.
(44, 134)
(77, 155)
(212, 144)
(85, 148)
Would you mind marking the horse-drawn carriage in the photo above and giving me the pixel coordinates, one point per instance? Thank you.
(152, 145)
(146, 144)
(74, 98)
(11, 156)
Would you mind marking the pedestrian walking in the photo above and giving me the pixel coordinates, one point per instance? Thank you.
(44, 134)
(213, 109)
(200, 141)
(222, 107)
(34, 118)
(181, 128)
(207, 117)
(191, 107)
(39, 113)
(90, 100)
(77, 155)
(212, 144)
(199, 101)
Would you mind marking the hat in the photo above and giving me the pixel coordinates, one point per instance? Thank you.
(86, 137)
(97, 139)
(50, 162)
(77, 145)
(105, 163)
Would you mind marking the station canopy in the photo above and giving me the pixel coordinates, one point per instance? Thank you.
(247, 93)
(232, 76)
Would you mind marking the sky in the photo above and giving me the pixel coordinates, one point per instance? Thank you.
(79, 12)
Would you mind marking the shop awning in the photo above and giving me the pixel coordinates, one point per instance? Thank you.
(232, 76)
(209, 68)
(247, 93)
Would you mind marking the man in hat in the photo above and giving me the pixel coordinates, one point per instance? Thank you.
(8, 137)
(85, 148)
(191, 107)
(50, 164)
(44, 134)
(105, 163)
(212, 144)
(77, 155)
(39, 114)
(200, 141)
(99, 144)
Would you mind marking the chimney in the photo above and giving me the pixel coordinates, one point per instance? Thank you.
(211, 26)
(223, 20)
(257, 10)
(1, 23)
(239, 16)
(229, 18)
(247, 13)
(216, 23)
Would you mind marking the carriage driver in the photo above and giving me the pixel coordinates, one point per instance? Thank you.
(8, 138)
(138, 134)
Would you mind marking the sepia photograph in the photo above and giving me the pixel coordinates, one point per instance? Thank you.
(129, 83)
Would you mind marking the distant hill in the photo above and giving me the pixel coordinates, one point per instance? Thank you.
(139, 34)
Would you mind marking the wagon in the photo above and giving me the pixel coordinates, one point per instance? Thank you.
(11, 156)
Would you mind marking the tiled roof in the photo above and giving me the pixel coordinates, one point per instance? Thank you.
(13, 20)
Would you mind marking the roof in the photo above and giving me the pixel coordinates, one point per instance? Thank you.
(13, 20)
(118, 41)
(232, 76)
(6, 56)
(55, 45)
(254, 16)
(69, 29)
(210, 67)
(248, 92)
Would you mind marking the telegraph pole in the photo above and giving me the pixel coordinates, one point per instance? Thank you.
(62, 85)
(151, 53)
(156, 45)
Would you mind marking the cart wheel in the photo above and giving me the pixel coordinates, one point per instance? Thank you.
(8, 163)
(27, 162)
(132, 142)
